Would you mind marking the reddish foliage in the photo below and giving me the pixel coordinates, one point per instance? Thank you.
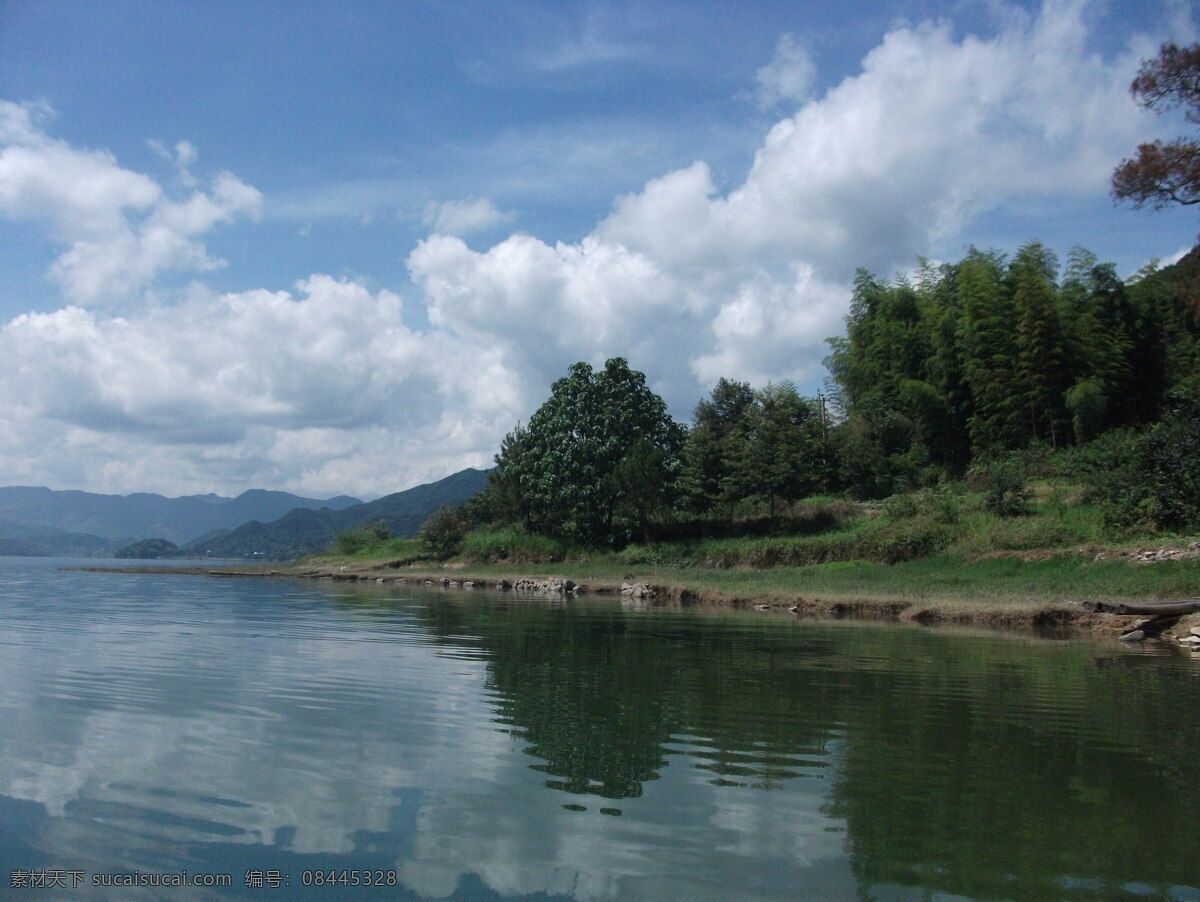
(1165, 173)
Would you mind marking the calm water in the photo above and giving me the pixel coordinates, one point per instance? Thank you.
(489, 746)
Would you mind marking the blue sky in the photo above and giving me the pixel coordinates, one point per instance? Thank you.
(344, 247)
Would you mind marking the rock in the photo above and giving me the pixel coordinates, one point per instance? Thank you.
(503, 584)
(1134, 636)
(762, 607)
(1195, 631)
(626, 589)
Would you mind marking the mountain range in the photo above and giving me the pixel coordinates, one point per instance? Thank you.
(304, 531)
(42, 521)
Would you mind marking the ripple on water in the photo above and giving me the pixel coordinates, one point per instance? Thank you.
(489, 742)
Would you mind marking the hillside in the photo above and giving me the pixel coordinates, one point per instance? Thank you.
(306, 531)
(42, 521)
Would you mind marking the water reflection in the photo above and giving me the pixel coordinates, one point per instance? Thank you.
(488, 744)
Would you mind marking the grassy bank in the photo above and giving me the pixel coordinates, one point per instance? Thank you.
(934, 557)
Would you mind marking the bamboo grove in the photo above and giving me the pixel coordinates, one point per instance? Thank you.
(966, 361)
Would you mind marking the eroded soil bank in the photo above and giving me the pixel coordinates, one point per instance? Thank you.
(1025, 615)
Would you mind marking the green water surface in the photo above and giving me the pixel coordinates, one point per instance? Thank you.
(479, 745)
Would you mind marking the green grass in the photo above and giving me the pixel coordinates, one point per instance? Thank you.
(405, 551)
(512, 545)
(1061, 578)
(928, 546)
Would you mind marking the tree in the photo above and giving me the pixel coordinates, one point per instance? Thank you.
(715, 445)
(598, 458)
(1165, 173)
(504, 500)
(785, 455)
(443, 531)
(1040, 365)
(988, 337)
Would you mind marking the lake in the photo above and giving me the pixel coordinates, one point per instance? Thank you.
(316, 740)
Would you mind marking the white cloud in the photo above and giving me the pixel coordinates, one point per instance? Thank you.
(461, 217)
(788, 77)
(183, 157)
(331, 389)
(324, 390)
(119, 227)
(690, 282)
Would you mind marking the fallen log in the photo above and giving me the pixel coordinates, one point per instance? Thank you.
(1150, 607)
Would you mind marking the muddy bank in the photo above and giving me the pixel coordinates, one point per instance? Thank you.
(1075, 618)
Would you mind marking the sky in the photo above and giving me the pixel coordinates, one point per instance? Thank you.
(344, 247)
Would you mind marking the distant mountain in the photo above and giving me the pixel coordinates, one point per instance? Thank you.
(149, 549)
(42, 521)
(55, 544)
(302, 532)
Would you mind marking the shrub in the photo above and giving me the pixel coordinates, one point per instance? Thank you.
(443, 531)
(1005, 492)
(360, 538)
(512, 545)
(941, 506)
(1158, 483)
(904, 540)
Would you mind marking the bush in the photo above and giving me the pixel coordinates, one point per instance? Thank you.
(1005, 492)
(658, 555)
(904, 540)
(442, 533)
(1101, 456)
(512, 545)
(360, 538)
(1157, 484)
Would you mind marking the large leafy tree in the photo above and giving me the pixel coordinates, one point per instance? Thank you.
(598, 459)
(1167, 172)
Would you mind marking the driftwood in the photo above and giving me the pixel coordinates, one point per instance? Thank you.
(1153, 607)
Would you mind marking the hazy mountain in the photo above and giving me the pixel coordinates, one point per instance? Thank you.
(305, 531)
(67, 522)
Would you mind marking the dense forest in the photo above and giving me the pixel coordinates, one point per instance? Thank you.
(967, 361)
(956, 369)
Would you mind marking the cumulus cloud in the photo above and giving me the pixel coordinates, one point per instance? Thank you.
(461, 217)
(120, 228)
(323, 389)
(329, 388)
(693, 283)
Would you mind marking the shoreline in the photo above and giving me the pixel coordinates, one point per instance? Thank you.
(1026, 615)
